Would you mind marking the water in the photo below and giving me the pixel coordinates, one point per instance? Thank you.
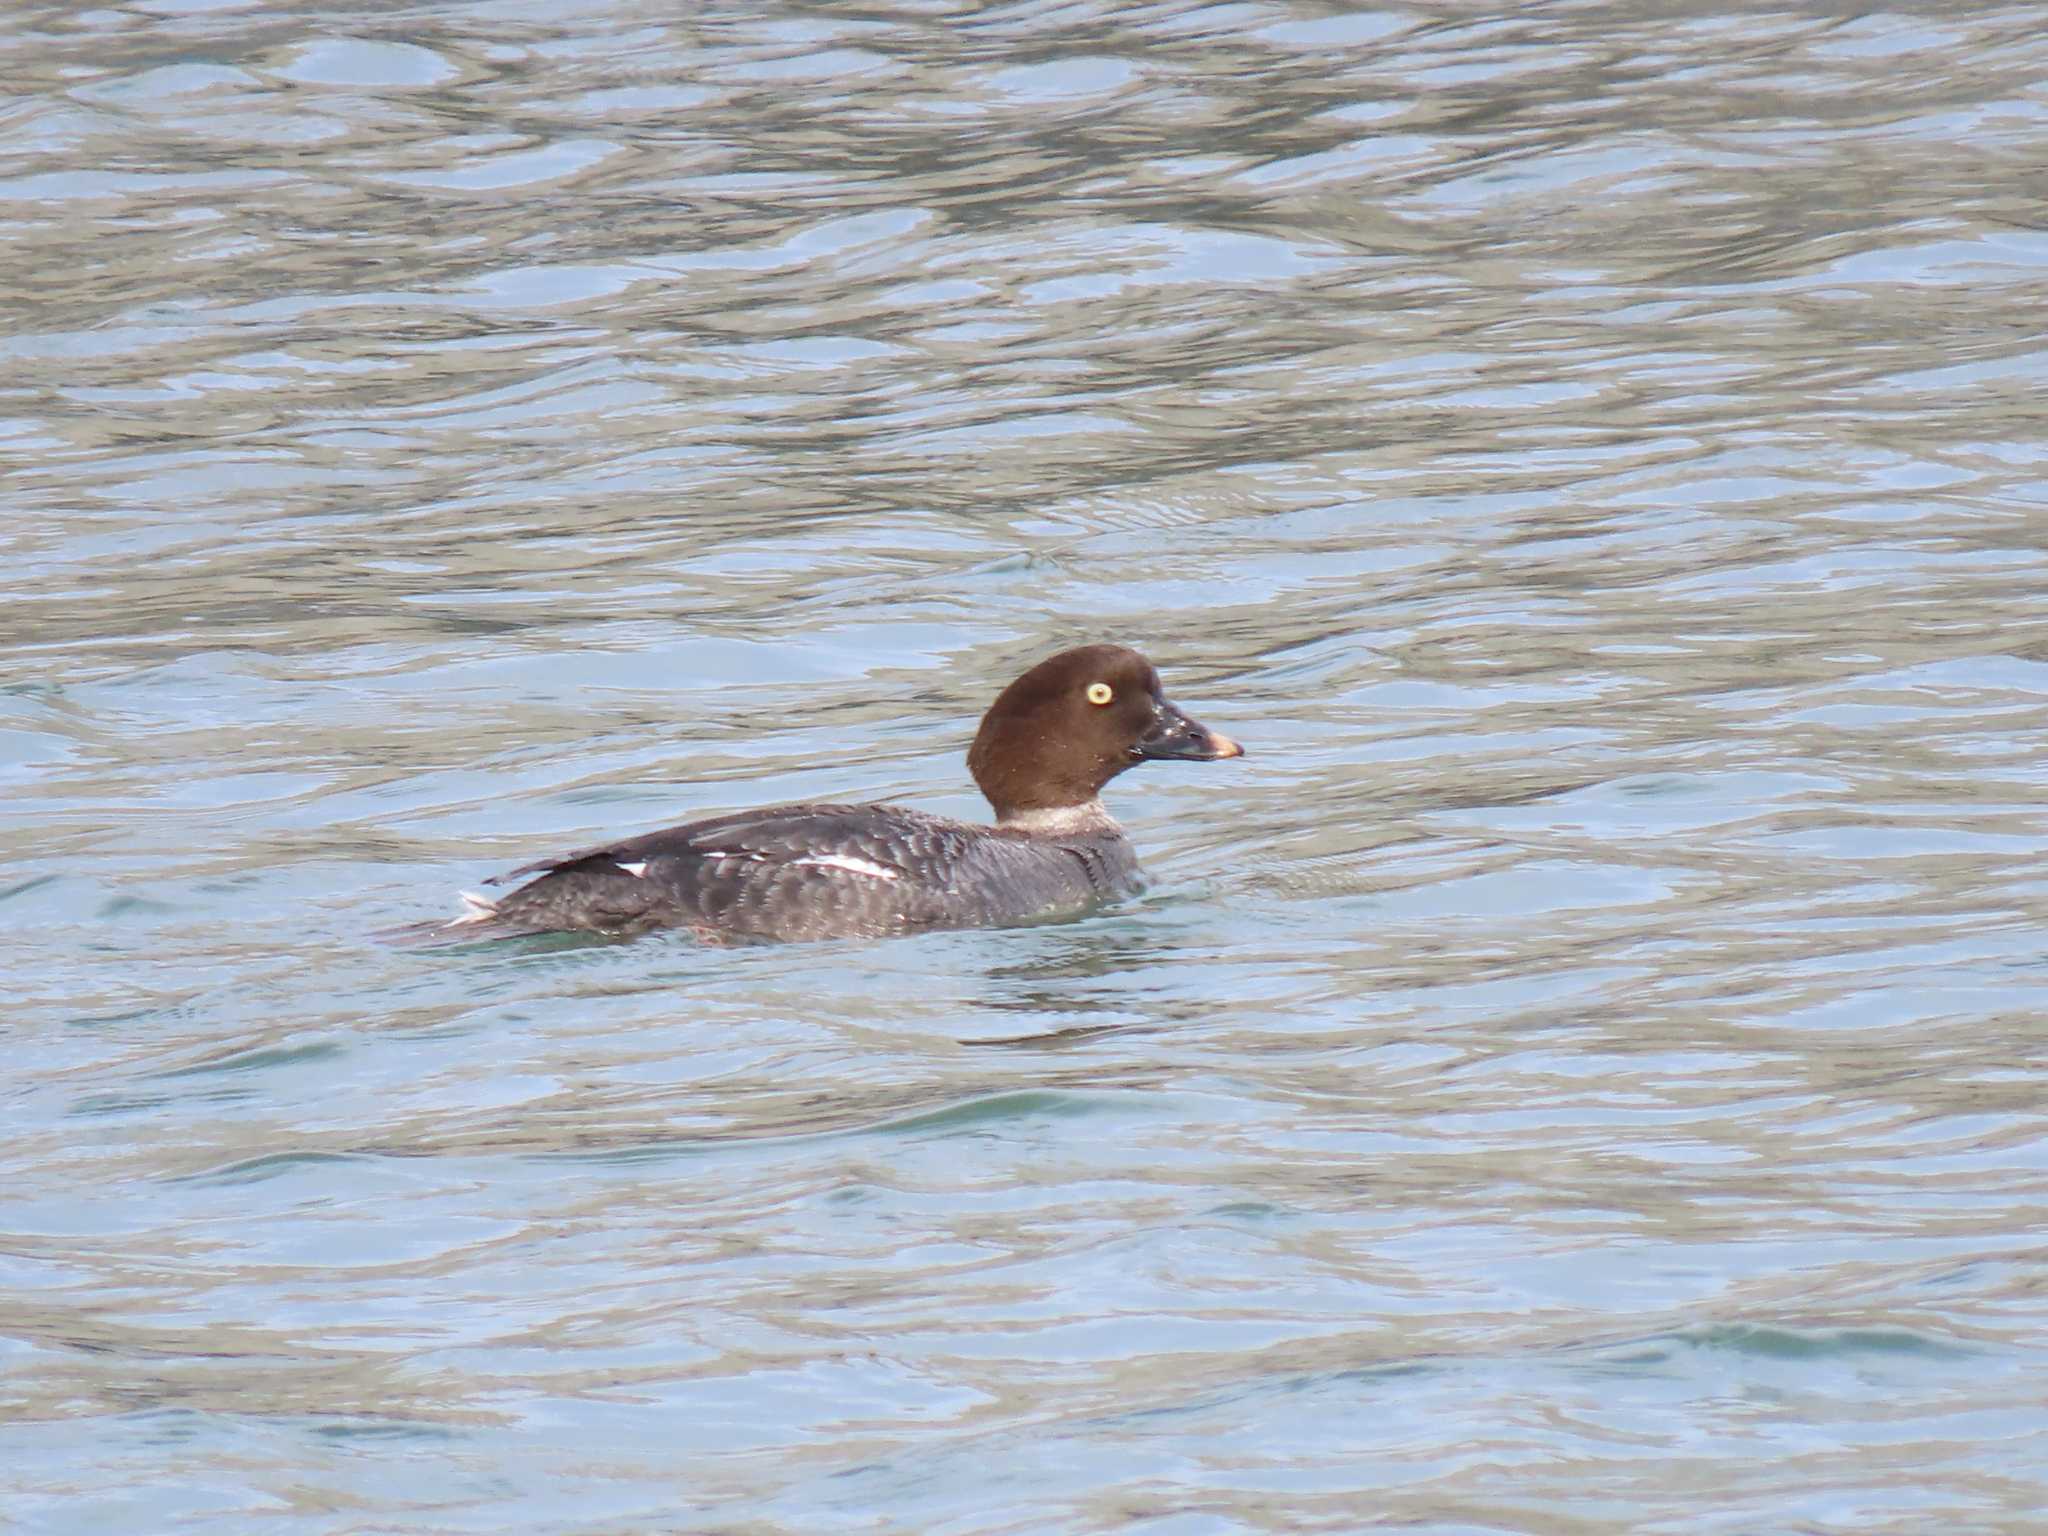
(1580, 1074)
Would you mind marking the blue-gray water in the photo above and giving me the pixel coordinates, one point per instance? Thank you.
(1581, 1075)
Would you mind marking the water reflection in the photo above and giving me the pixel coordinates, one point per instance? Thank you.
(1104, 966)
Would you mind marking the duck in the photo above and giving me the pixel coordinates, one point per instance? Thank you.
(1042, 755)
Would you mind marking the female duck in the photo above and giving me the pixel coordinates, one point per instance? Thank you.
(1045, 749)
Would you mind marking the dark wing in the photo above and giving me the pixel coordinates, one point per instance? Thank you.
(793, 871)
(896, 839)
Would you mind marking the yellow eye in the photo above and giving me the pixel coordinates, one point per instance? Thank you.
(1100, 693)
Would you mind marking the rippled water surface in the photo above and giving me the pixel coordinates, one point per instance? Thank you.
(1582, 1074)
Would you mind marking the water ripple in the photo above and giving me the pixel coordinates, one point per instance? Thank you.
(1579, 1072)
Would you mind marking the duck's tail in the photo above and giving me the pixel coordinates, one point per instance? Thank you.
(479, 919)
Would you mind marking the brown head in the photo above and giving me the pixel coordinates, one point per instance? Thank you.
(1075, 721)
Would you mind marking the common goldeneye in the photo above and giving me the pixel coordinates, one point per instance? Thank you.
(1045, 748)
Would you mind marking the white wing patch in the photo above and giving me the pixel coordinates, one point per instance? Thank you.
(851, 865)
(637, 870)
